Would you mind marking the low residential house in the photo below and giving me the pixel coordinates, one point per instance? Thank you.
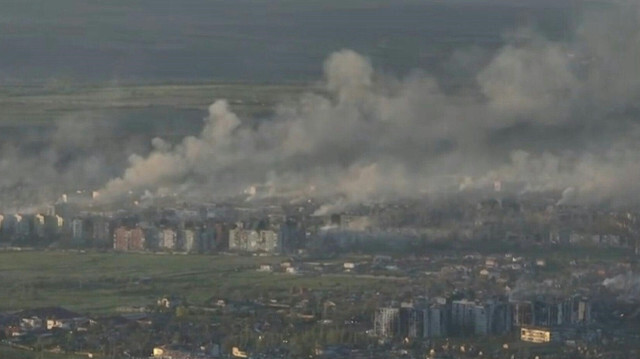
(349, 266)
(181, 352)
(14, 331)
(491, 262)
(50, 318)
(31, 323)
(171, 352)
(169, 302)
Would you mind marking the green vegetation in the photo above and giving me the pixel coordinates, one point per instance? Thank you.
(101, 282)
(96, 282)
(8, 352)
(33, 105)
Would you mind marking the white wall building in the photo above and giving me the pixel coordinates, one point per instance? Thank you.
(168, 239)
(249, 240)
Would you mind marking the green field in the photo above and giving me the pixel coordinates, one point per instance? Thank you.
(39, 106)
(7, 352)
(93, 282)
(101, 282)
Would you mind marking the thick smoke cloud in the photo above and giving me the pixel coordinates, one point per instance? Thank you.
(550, 116)
(40, 163)
(32, 169)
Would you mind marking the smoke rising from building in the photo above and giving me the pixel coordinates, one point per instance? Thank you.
(626, 285)
(549, 115)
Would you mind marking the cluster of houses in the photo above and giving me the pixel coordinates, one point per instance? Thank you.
(41, 321)
(50, 325)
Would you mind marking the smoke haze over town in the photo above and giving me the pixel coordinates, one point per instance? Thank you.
(535, 114)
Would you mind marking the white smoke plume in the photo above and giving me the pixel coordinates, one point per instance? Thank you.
(626, 285)
(527, 288)
(568, 196)
(547, 114)
(550, 115)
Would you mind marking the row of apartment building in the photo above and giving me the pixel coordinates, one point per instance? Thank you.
(23, 226)
(444, 318)
(138, 238)
(241, 238)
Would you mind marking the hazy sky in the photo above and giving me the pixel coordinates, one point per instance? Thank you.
(248, 40)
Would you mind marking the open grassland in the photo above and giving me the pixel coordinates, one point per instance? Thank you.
(39, 106)
(96, 282)
(11, 353)
(102, 282)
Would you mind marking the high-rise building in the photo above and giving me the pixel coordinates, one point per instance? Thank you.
(414, 319)
(463, 313)
(292, 235)
(136, 239)
(77, 229)
(438, 321)
(250, 240)
(386, 322)
(579, 310)
(417, 320)
(189, 240)
(125, 239)
(411, 320)
(551, 312)
(121, 237)
(482, 321)
(168, 239)
(22, 226)
(100, 229)
(53, 226)
(39, 225)
(523, 313)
